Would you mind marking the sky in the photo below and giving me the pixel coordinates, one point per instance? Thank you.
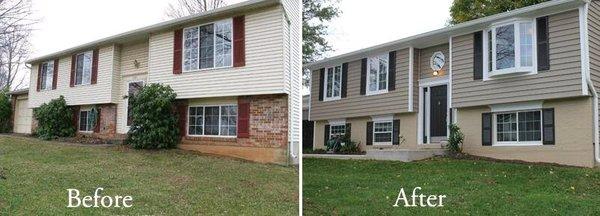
(68, 23)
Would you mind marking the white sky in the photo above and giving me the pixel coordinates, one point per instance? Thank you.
(366, 23)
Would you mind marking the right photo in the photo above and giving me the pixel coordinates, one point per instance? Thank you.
(485, 107)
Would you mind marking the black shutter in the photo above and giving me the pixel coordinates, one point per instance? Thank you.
(326, 137)
(344, 79)
(486, 129)
(348, 130)
(370, 133)
(477, 55)
(396, 132)
(363, 77)
(321, 83)
(392, 72)
(548, 123)
(543, 45)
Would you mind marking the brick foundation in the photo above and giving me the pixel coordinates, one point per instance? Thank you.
(108, 122)
(268, 133)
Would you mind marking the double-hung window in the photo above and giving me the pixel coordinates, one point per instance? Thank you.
(338, 130)
(382, 132)
(83, 68)
(510, 48)
(518, 128)
(377, 74)
(212, 120)
(333, 83)
(208, 46)
(86, 121)
(47, 75)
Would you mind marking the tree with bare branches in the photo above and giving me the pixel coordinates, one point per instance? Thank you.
(15, 30)
(187, 7)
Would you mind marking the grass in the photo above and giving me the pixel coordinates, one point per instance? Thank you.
(473, 187)
(170, 182)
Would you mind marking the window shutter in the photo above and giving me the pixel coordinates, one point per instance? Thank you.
(348, 130)
(344, 80)
(396, 132)
(392, 71)
(370, 133)
(477, 55)
(486, 129)
(177, 49)
(363, 77)
(243, 118)
(548, 129)
(543, 45)
(321, 83)
(95, 67)
(182, 109)
(55, 75)
(326, 135)
(39, 77)
(73, 61)
(239, 42)
(76, 117)
(98, 118)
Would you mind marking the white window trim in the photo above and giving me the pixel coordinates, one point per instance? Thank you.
(391, 133)
(336, 124)
(187, 128)
(376, 92)
(127, 101)
(48, 86)
(495, 142)
(423, 124)
(517, 70)
(230, 20)
(79, 121)
(83, 69)
(325, 82)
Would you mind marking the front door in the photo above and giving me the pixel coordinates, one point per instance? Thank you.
(438, 111)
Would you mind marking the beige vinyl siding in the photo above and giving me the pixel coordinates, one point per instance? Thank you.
(416, 73)
(425, 54)
(356, 105)
(98, 93)
(562, 80)
(129, 73)
(116, 75)
(594, 43)
(262, 74)
(122, 105)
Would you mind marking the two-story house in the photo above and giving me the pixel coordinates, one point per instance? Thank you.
(521, 85)
(235, 69)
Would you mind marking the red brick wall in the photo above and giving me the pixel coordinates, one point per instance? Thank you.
(107, 121)
(268, 125)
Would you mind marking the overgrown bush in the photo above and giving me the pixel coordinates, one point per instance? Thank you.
(55, 119)
(455, 140)
(5, 112)
(154, 123)
(343, 145)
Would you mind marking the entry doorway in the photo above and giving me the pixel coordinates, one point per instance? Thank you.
(434, 113)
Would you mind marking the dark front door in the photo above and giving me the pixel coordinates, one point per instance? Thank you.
(437, 120)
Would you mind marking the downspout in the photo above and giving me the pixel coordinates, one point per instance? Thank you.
(595, 107)
(586, 73)
(290, 149)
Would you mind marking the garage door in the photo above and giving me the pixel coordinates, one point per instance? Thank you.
(22, 117)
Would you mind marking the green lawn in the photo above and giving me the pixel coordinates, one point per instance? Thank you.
(473, 187)
(172, 182)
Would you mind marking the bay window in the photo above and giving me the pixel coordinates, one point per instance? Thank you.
(47, 75)
(377, 74)
(510, 48)
(212, 120)
(333, 83)
(382, 132)
(523, 127)
(208, 46)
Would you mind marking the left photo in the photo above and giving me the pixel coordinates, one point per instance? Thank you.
(168, 107)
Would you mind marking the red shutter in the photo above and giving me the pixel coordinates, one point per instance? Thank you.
(39, 76)
(239, 42)
(182, 109)
(95, 67)
(177, 49)
(98, 118)
(55, 75)
(243, 118)
(73, 60)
